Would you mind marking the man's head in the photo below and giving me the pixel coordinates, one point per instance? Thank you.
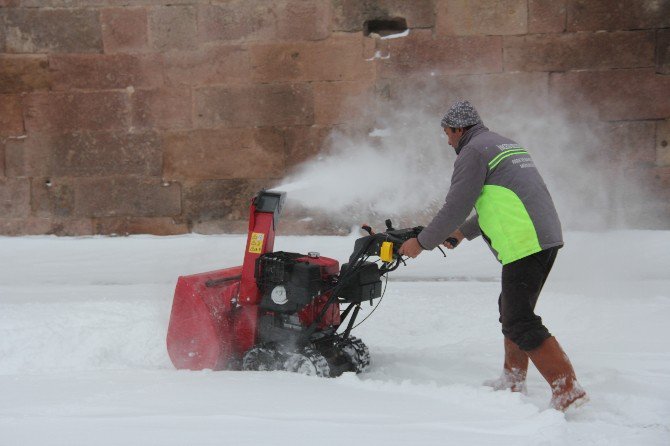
(460, 117)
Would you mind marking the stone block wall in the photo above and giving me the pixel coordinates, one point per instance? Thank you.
(164, 117)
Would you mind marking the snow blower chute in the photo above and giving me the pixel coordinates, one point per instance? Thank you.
(280, 310)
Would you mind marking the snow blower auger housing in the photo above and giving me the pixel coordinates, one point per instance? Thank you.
(280, 310)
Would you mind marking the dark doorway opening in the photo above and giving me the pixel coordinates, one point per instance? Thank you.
(385, 27)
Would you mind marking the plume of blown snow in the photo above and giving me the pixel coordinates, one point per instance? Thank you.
(402, 166)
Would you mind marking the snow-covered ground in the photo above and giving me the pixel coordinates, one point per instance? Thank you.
(83, 359)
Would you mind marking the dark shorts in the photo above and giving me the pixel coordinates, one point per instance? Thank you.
(522, 282)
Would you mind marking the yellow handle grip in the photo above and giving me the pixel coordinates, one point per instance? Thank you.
(386, 252)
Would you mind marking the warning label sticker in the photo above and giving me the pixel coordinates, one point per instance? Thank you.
(256, 243)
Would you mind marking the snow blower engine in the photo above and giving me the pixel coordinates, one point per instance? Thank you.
(280, 310)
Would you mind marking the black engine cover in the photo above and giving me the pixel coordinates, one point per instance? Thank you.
(287, 285)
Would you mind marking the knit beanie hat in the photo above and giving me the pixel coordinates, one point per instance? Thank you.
(461, 114)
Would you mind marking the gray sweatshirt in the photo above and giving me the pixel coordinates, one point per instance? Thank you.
(497, 177)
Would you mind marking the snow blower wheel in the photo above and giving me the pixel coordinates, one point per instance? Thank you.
(262, 358)
(307, 361)
(357, 353)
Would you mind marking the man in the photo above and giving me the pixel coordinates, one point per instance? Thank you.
(516, 216)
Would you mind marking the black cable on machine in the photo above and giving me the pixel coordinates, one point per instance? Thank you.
(360, 258)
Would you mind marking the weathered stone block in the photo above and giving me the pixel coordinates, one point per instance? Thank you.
(23, 226)
(22, 73)
(626, 144)
(652, 213)
(3, 37)
(14, 198)
(494, 95)
(71, 227)
(259, 105)
(11, 115)
(138, 225)
(419, 53)
(663, 143)
(653, 196)
(124, 29)
(487, 17)
(577, 51)
(32, 30)
(338, 58)
(341, 102)
(591, 15)
(85, 153)
(173, 27)
(99, 3)
(165, 108)
(52, 198)
(237, 19)
(106, 153)
(219, 199)
(28, 157)
(301, 20)
(45, 225)
(76, 111)
(101, 71)
(370, 47)
(547, 16)
(304, 143)
(661, 177)
(224, 154)
(2, 158)
(502, 93)
(13, 227)
(263, 20)
(207, 65)
(220, 227)
(615, 94)
(663, 51)
(126, 196)
(350, 15)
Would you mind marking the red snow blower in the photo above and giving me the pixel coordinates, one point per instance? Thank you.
(280, 310)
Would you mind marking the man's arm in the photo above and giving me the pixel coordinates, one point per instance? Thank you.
(466, 185)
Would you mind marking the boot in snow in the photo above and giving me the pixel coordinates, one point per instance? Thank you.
(513, 376)
(556, 368)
